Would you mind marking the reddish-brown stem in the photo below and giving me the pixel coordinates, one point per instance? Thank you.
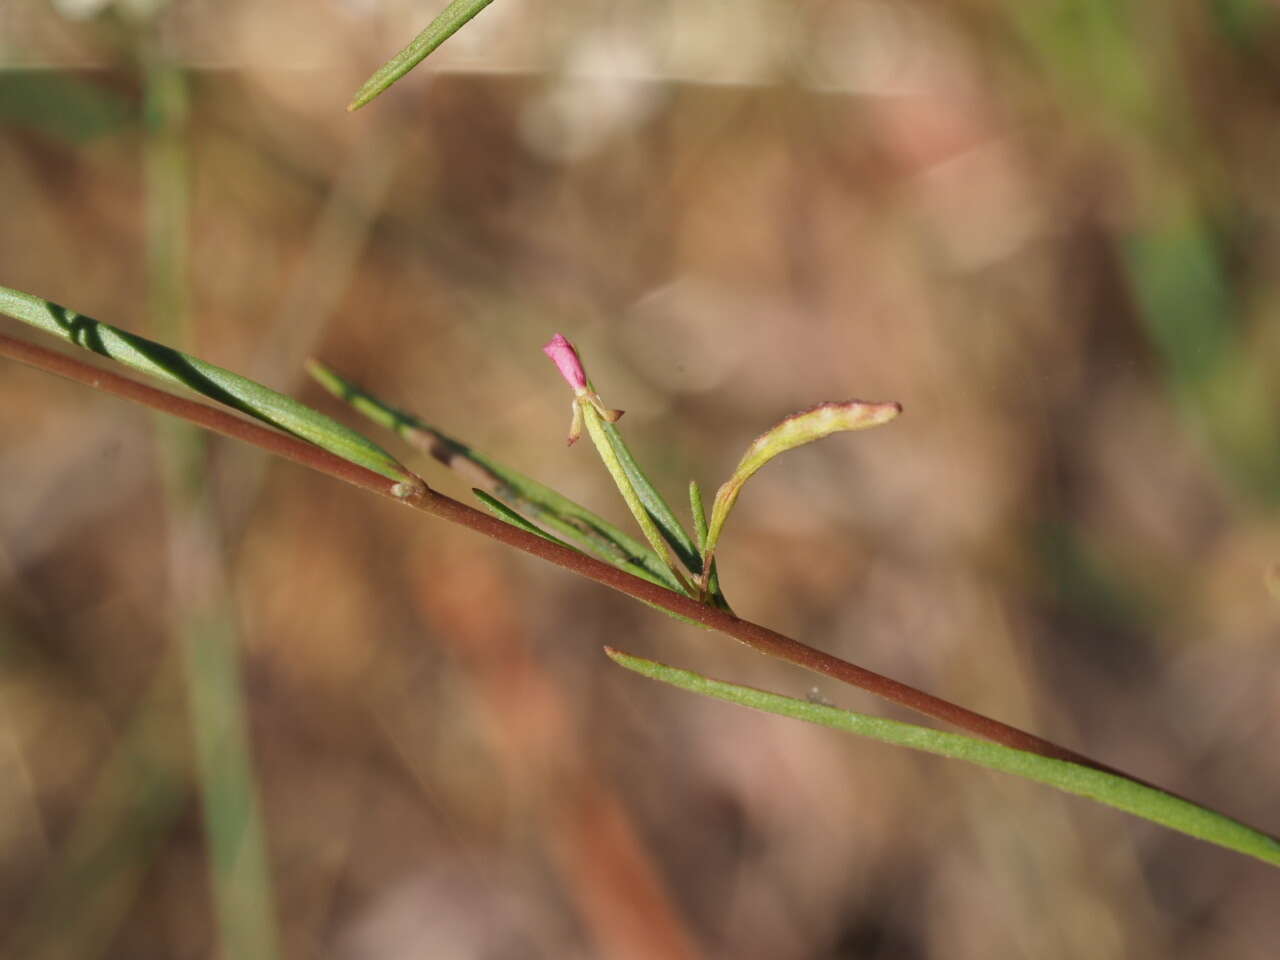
(759, 638)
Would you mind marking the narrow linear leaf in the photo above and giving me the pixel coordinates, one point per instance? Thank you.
(699, 513)
(796, 430)
(710, 577)
(654, 504)
(503, 512)
(1107, 788)
(596, 428)
(545, 506)
(437, 32)
(222, 386)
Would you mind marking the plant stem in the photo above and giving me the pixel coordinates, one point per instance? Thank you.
(759, 638)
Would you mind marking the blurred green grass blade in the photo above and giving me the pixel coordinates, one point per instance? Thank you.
(543, 505)
(1176, 270)
(1244, 22)
(437, 32)
(235, 830)
(1094, 53)
(231, 389)
(1107, 788)
(656, 507)
(204, 615)
(60, 105)
(794, 431)
(1177, 265)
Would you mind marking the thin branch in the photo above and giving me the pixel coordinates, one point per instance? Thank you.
(759, 638)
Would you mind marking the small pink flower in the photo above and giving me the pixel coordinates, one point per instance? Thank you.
(566, 360)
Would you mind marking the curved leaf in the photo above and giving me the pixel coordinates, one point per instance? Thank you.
(1108, 788)
(796, 430)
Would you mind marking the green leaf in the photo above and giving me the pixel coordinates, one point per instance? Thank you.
(710, 577)
(210, 381)
(623, 479)
(654, 505)
(543, 505)
(1107, 788)
(437, 32)
(503, 512)
(796, 430)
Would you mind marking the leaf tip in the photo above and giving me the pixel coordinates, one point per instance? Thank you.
(870, 411)
(623, 659)
(835, 415)
(365, 94)
(884, 412)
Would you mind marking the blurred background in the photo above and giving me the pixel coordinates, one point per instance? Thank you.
(242, 704)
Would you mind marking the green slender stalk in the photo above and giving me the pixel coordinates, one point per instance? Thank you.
(204, 618)
(759, 638)
(236, 837)
(449, 22)
(1111, 789)
(165, 159)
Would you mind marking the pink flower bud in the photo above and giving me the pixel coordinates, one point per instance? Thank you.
(566, 360)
